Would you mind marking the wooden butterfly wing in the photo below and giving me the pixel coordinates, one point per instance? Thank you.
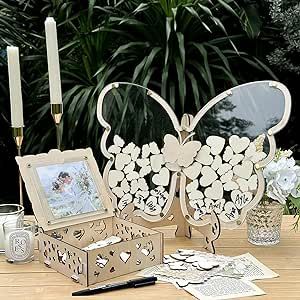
(238, 119)
(136, 121)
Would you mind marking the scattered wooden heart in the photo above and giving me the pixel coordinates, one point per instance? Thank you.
(177, 266)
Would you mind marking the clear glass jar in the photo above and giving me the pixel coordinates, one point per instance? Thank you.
(19, 241)
(9, 212)
(264, 223)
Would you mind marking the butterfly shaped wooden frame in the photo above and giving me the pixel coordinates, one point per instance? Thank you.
(176, 213)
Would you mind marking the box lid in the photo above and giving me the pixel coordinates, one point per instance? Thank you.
(65, 188)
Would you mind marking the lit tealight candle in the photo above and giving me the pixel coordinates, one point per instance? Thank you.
(53, 61)
(16, 103)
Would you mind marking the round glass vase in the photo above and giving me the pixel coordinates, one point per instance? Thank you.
(264, 223)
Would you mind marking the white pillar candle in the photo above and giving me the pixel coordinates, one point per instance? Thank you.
(53, 61)
(16, 105)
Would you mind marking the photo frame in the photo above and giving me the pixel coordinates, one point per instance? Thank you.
(64, 187)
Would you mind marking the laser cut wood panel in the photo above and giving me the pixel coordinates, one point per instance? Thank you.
(140, 248)
(213, 160)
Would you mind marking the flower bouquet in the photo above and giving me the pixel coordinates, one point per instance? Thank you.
(282, 193)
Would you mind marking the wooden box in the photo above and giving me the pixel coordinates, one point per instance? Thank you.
(73, 210)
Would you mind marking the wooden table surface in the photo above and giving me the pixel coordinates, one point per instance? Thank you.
(35, 281)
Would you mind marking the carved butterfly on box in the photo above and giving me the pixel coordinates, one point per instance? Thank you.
(213, 159)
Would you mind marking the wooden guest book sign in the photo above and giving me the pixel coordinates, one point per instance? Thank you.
(74, 212)
(205, 172)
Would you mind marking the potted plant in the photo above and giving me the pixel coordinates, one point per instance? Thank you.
(282, 193)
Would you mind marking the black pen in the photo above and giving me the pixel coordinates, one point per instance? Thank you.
(134, 283)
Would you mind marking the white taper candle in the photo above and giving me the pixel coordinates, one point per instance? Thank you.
(16, 103)
(53, 61)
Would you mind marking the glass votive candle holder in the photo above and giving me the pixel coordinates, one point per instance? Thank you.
(9, 212)
(19, 241)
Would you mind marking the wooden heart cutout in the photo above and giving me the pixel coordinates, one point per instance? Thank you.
(135, 153)
(156, 162)
(227, 176)
(224, 168)
(195, 195)
(228, 153)
(241, 199)
(214, 192)
(230, 185)
(193, 171)
(129, 168)
(101, 261)
(230, 212)
(145, 151)
(122, 160)
(118, 141)
(208, 176)
(132, 175)
(124, 256)
(216, 163)
(152, 207)
(216, 144)
(219, 205)
(129, 148)
(204, 157)
(114, 149)
(114, 177)
(236, 159)
(145, 171)
(162, 178)
(238, 144)
(192, 186)
(124, 201)
(244, 170)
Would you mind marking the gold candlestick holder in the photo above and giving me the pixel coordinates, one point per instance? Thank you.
(57, 112)
(18, 136)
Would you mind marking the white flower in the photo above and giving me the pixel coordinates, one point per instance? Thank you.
(274, 192)
(282, 178)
